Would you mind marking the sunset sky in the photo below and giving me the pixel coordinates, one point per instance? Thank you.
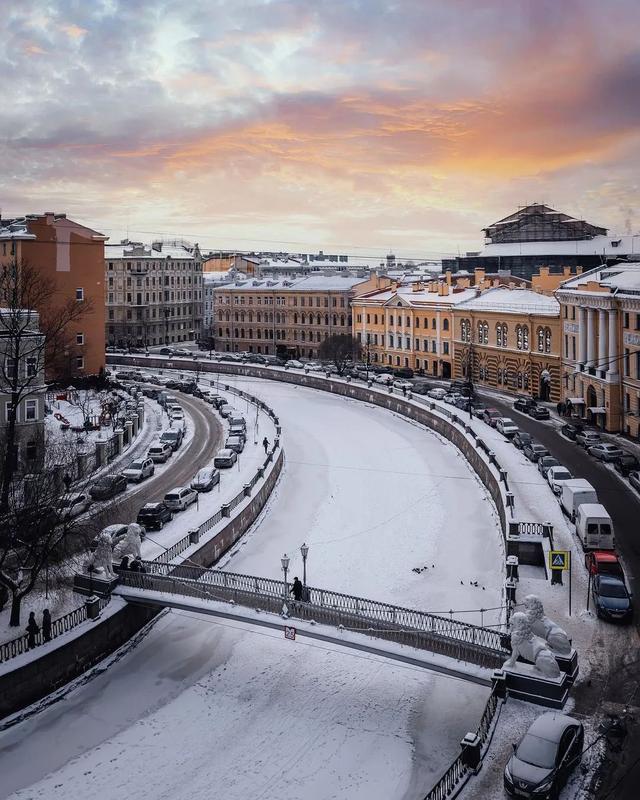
(350, 125)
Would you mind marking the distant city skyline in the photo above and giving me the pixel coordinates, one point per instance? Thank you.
(359, 128)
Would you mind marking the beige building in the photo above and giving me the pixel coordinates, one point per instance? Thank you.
(153, 293)
(600, 314)
(288, 318)
(509, 339)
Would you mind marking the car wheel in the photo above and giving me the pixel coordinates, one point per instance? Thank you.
(160, 525)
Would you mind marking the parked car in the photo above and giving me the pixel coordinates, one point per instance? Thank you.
(406, 385)
(236, 421)
(626, 463)
(491, 416)
(421, 387)
(594, 527)
(172, 437)
(571, 430)
(576, 492)
(225, 458)
(108, 486)
(179, 351)
(451, 398)
(533, 451)
(538, 412)
(384, 379)
(159, 452)
(180, 498)
(436, 394)
(114, 532)
(166, 351)
(226, 410)
(523, 403)
(556, 476)
(235, 443)
(634, 480)
(74, 504)
(545, 757)
(478, 409)
(604, 451)
(139, 470)
(154, 516)
(205, 479)
(240, 432)
(462, 402)
(587, 439)
(545, 463)
(218, 401)
(611, 598)
(521, 439)
(403, 372)
(507, 427)
(603, 562)
(293, 363)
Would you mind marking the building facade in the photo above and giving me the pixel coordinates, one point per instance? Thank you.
(153, 293)
(509, 339)
(71, 256)
(288, 318)
(600, 314)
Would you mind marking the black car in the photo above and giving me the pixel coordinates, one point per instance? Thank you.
(521, 439)
(538, 412)
(571, 431)
(154, 516)
(544, 758)
(533, 451)
(421, 387)
(108, 486)
(172, 437)
(523, 404)
(403, 372)
(611, 598)
(626, 463)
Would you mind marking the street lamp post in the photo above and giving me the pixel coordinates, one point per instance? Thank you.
(285, 567)
(305, 551)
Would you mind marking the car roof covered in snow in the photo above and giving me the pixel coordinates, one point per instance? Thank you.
(551, 726)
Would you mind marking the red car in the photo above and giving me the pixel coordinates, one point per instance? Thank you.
(603, 562)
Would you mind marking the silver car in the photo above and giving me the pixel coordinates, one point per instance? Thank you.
(605, 452)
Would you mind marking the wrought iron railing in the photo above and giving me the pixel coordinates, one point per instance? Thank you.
(421, 629)
(19, 645)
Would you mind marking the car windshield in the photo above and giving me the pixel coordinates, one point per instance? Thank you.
(562, 475)
(612, 589)
(135, 465)
(538, 752)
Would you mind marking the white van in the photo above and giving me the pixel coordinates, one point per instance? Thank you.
(575, 493)
(594, 527)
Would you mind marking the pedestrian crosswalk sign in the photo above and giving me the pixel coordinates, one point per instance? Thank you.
(559, 559)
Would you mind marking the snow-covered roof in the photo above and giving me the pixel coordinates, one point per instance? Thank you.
(15, 229)
(310, 283)
(174, 249)
(416, 299)
(611, 246)
(515, 301)
(620, 277)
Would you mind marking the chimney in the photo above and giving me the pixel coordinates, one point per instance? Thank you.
(544, 272)
(578, 270)
(433, 286)
(478, 276)
(448, 277)
(444, 290)
(417, 286)
(566, 272)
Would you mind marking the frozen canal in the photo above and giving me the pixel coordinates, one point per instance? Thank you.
(202, 709)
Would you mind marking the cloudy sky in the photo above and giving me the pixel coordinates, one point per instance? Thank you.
(362, 125)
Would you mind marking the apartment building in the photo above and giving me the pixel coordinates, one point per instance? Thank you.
(153, 293)
(600, 315)
(71, 256)
(409, 326)
(289, 318)
(508, 338)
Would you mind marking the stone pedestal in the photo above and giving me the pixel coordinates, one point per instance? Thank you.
(499, 683)
(101, 452)
(225, 510)
(194, 535)
(89, 585)
(93, 607)
(471, 752)
(510, 590)
(119, 434)
(512, 567)
(526, 683)
(247, 489)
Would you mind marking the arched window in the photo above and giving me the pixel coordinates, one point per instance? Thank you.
(525, 337)
(277, 317)
(326, 320)
(319, 320)
(547, 340)
(522, 337)
(235, 317)
(302, 336)
(483, 333)
(242, 333)
(445, 325)
(342, 320)
(295, 319)
(540, 337)
(391, 320)
(304, 319)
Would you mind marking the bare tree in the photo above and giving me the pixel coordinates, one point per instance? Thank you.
(34, 331)
(37, 531)
(340, 349)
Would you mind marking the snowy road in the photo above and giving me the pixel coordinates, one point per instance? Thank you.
(202, 709)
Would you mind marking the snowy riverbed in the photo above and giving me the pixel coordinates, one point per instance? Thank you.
(202, 708)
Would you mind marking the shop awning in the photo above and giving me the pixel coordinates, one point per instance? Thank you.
(575, 401)
(597, 410)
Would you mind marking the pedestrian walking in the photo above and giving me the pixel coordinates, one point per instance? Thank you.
(404, 391)
(296, 589)
(46, 625)
(265, 444)
(32, 631)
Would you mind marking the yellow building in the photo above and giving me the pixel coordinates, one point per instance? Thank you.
(600, 314)
(509, 339)
(409, 326)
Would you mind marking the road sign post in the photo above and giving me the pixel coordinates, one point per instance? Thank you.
(559, 562)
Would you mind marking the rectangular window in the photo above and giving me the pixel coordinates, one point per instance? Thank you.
(80, 294)
(638, 365)
(79, 338)
(566, 346)
(626, 319)
(30, 410)
(445, 348)
(627, 355)
(11, 368)
(31, 366)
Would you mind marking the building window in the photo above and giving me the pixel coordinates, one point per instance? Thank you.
(32, 367)
(80, 293)
(627, 356)
(501, 334)
(465, 330)
(626, 319)
(445, 325)
(79, 338)
(31, 451)
(483, 333)
(445, 348)
(522, 337)
(30, 410)
(80, 362)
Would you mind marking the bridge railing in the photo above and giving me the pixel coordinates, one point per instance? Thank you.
(447, 636)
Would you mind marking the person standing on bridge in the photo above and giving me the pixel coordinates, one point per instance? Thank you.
(265, 444)
(296, 589)
(32, 631)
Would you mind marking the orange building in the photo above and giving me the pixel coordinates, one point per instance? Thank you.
(72, 255)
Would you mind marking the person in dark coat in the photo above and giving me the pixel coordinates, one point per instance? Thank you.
(46, 625)
(265, 444)
(296, 589)
(124, 564)
(135, 565)
(32, 631)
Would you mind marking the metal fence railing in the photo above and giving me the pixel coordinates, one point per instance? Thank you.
(17, 646)
(460, 640)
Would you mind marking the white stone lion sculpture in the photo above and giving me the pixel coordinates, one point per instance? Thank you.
(101, 563)
(544, 627)
(129, 545)
(530, 647)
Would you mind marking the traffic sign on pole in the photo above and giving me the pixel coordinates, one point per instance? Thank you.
(559, 559)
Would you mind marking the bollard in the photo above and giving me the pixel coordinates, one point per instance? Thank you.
(512, 567)
(93, 607)
(471, 752)
(225, 510)
(499, 683)
(369, 383)
(247, 489)
(194, 535)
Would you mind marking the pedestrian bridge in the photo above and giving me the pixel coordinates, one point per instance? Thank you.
(434, 642)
